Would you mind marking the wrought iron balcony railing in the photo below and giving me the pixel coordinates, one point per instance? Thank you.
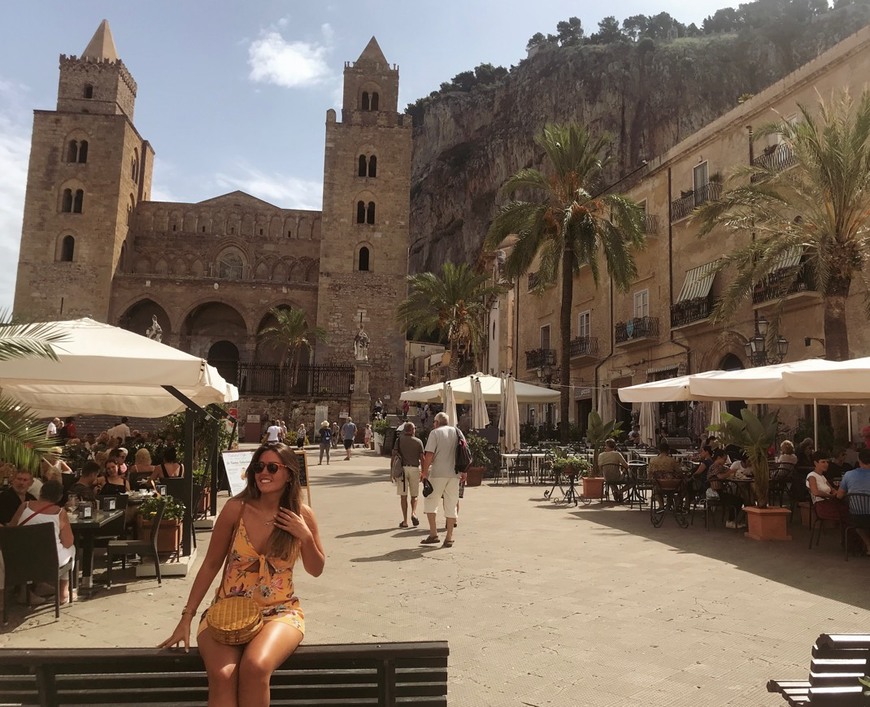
(691, 310)
(636, 329)
(782, 283)
(584, 347)
(776, 158)
(650, 224)
(537, 358)
(682, 208)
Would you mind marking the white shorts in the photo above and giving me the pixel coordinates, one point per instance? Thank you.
(446, 487)
(410, 484)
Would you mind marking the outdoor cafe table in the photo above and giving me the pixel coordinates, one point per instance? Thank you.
(510, 460)
(85, 530)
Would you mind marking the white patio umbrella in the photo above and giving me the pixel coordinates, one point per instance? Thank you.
(716, 412)
(491, 387)
(647, 424)
(479, 415)
(605, 403)
(509, 422)
(102, 369)
(831, 380)
(450, 403)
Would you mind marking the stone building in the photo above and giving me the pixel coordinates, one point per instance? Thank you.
(94, 244)
(661, 326)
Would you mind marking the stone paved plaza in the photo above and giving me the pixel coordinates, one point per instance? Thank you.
(542, 604)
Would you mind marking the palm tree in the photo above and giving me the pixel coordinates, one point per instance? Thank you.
(22, 437)
(568, 223)
(291, 333)
(453, 304)
(820, 207)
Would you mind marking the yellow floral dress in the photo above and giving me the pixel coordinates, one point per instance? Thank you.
(266, 580)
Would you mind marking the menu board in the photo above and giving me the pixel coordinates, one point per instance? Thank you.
(236, 463)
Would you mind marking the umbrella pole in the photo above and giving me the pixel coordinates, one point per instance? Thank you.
(815, 424)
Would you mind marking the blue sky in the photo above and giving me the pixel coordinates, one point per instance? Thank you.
(233, 95)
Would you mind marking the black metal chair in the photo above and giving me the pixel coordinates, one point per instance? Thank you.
(859, 515)
(522, 466)
(30, 555)
(614, 481)
(668, 495)
(143, 548)
(780, 482)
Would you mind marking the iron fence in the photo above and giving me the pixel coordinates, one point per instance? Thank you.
(317, 381)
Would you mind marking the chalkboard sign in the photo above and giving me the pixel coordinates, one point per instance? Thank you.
(303, 473)
(236, 463)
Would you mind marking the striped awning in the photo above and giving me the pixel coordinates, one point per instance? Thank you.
(698, 282)
(790, 258)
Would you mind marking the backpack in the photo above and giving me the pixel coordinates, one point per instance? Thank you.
(463, 453)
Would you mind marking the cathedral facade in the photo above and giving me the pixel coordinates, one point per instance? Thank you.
(94, 244)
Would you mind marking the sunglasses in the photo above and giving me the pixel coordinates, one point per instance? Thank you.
(271, 467)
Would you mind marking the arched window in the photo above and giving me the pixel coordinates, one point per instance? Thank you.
(67, 201)
(88, 91)
(370, 212)
(78, 201)
(373, 166)
(361, 171)
(83, 151)
(134, 168)
(67, 249)
(374, 103)
(72, 151)
(360, 212)
(365, 100)
(230, 266)
(363, 259)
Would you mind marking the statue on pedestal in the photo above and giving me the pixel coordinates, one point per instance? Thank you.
(155, 331)
(361, 345)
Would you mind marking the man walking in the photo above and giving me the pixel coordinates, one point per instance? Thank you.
(348, 434)
(409, 449)
(439, 467)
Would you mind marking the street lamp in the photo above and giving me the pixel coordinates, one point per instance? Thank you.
(756, 347)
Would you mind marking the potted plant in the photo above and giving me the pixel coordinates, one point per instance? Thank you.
(379, 428)
(169, 535)
(478, 446)
(597, 432)
(572, 464)
(754, 435)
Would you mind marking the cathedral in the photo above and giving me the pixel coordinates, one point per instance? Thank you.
(207, 275)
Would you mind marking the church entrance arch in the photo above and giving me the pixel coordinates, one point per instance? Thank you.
(730, 362)
(224, 355)
(139, 318)
(210, 323)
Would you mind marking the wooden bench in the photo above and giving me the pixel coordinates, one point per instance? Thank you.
(383, 674)
(837, 663)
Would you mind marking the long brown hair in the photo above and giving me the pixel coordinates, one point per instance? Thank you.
(281, 543)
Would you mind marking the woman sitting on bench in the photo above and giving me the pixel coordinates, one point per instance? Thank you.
(257, 537)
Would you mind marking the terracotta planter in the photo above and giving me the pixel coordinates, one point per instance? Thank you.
(768, 523)
(168, 539)
(474, 475)
(593, 487)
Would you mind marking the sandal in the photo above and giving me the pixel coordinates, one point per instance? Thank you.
(403, 524)
(431, 540)
(447, 543)
(415, 520)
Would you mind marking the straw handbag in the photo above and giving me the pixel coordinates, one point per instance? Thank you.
(234, 621)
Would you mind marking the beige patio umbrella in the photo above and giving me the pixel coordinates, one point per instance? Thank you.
(509, 421)
(479, 415)
(605, 403)
(450, 403)
(647, 424)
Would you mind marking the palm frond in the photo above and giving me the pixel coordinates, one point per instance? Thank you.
(22, 437)
(19, 340)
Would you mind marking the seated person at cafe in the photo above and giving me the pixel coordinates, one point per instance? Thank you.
(838, 464)
(53, 462)
(119, 454)
(17, 493)
(113, 483)
(823, 495)
(86, 487)
(140, 473)
(858, 481)
(613, 464)
(169, 467)
(664, 469)
(742, 468)
(699, 474)
(786, 453)
(805, 452)
(47, 510)
(731, 502)
(634, 435)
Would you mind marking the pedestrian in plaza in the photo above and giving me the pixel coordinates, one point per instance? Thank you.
(325, 441)
(273, 433)
(367, 436)
(300, 435)
(406, 407)
(336, 433)
(267, 527)
(439, 468)
(409, 449)
(348, 434)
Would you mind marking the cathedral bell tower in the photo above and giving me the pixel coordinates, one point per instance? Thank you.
(89, 168)
(364, 235)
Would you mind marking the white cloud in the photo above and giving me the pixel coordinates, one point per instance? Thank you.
(14, 156)
(290, 64)
(281, 190)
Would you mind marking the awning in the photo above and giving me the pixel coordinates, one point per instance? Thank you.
(699, 281)
(791, 258)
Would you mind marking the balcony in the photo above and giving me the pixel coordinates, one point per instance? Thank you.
(691, 311)
(650, 224)
(784, 284)
(637, 330)
(537, 358)
(682, 208)
(584, 347)
(776, 158)
(533, 280)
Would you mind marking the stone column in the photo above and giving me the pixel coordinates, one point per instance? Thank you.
(360, 398)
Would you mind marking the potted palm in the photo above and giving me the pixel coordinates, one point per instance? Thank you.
(478, 447)
(169, 535)
(755, 435)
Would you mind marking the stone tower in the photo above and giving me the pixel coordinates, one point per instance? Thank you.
(89, 167)
(364, 236)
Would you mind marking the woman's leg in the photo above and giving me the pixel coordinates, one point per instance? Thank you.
(222, 666)
(271, 647)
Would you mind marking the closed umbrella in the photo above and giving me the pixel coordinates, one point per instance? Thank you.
(509, 422)
(449, 403)
(605, 403)
(716, 414)
(479, 415)
(647, 424)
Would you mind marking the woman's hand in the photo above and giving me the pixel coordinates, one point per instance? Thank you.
(181, 634)
(292, 523)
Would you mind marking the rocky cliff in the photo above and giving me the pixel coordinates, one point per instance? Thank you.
(647, 95)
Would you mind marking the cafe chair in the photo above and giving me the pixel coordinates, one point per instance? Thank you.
(859, 515)
(614, 479)
(30, 554)
(143, 548)
(780, 483)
